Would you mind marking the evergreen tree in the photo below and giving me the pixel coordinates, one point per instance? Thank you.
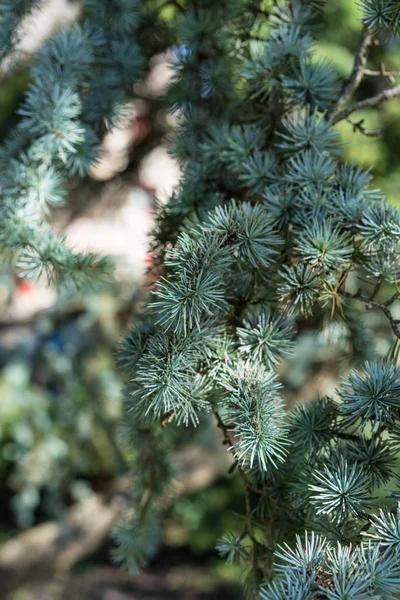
(267, 229)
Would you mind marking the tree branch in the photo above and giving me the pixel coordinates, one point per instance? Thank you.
(391, 75)
(383, 306)
(384, 96)
(358, 126)
(358, 71)
(375, 291)
(228, 441)
(248, 488)
(392, 299)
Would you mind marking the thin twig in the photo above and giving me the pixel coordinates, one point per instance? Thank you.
(375, 291)
(382, 73)
(358, 126)
(229, 441)
(248, 488)
(392, 299)
(357, 73)
(384, 96)
(247, 524)
(384, 307)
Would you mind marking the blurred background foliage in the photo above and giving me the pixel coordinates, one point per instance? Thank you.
(60, 405)
(60, 389)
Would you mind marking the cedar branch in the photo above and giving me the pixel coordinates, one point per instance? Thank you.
(358, 71)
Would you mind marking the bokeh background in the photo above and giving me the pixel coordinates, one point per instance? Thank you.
(62, 465)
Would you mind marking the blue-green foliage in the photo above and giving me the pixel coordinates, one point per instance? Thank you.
(80, 80)
(11, 13)
(265, 230)
(384, 15)
(316, 568)
(60, 404)
(138, 535)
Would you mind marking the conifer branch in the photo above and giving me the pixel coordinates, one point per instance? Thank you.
(382, 73)
(358, 71)
(227, 440)
(393, 298)
(260, 234)
(383, 306)
(246, 527)
(263, 230)
(376, 290)
(384, 96)
(358, 126)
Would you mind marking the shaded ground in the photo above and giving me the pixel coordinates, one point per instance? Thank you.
(70, 559)
(109, 583)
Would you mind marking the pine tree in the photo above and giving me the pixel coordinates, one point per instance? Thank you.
(266, 233)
